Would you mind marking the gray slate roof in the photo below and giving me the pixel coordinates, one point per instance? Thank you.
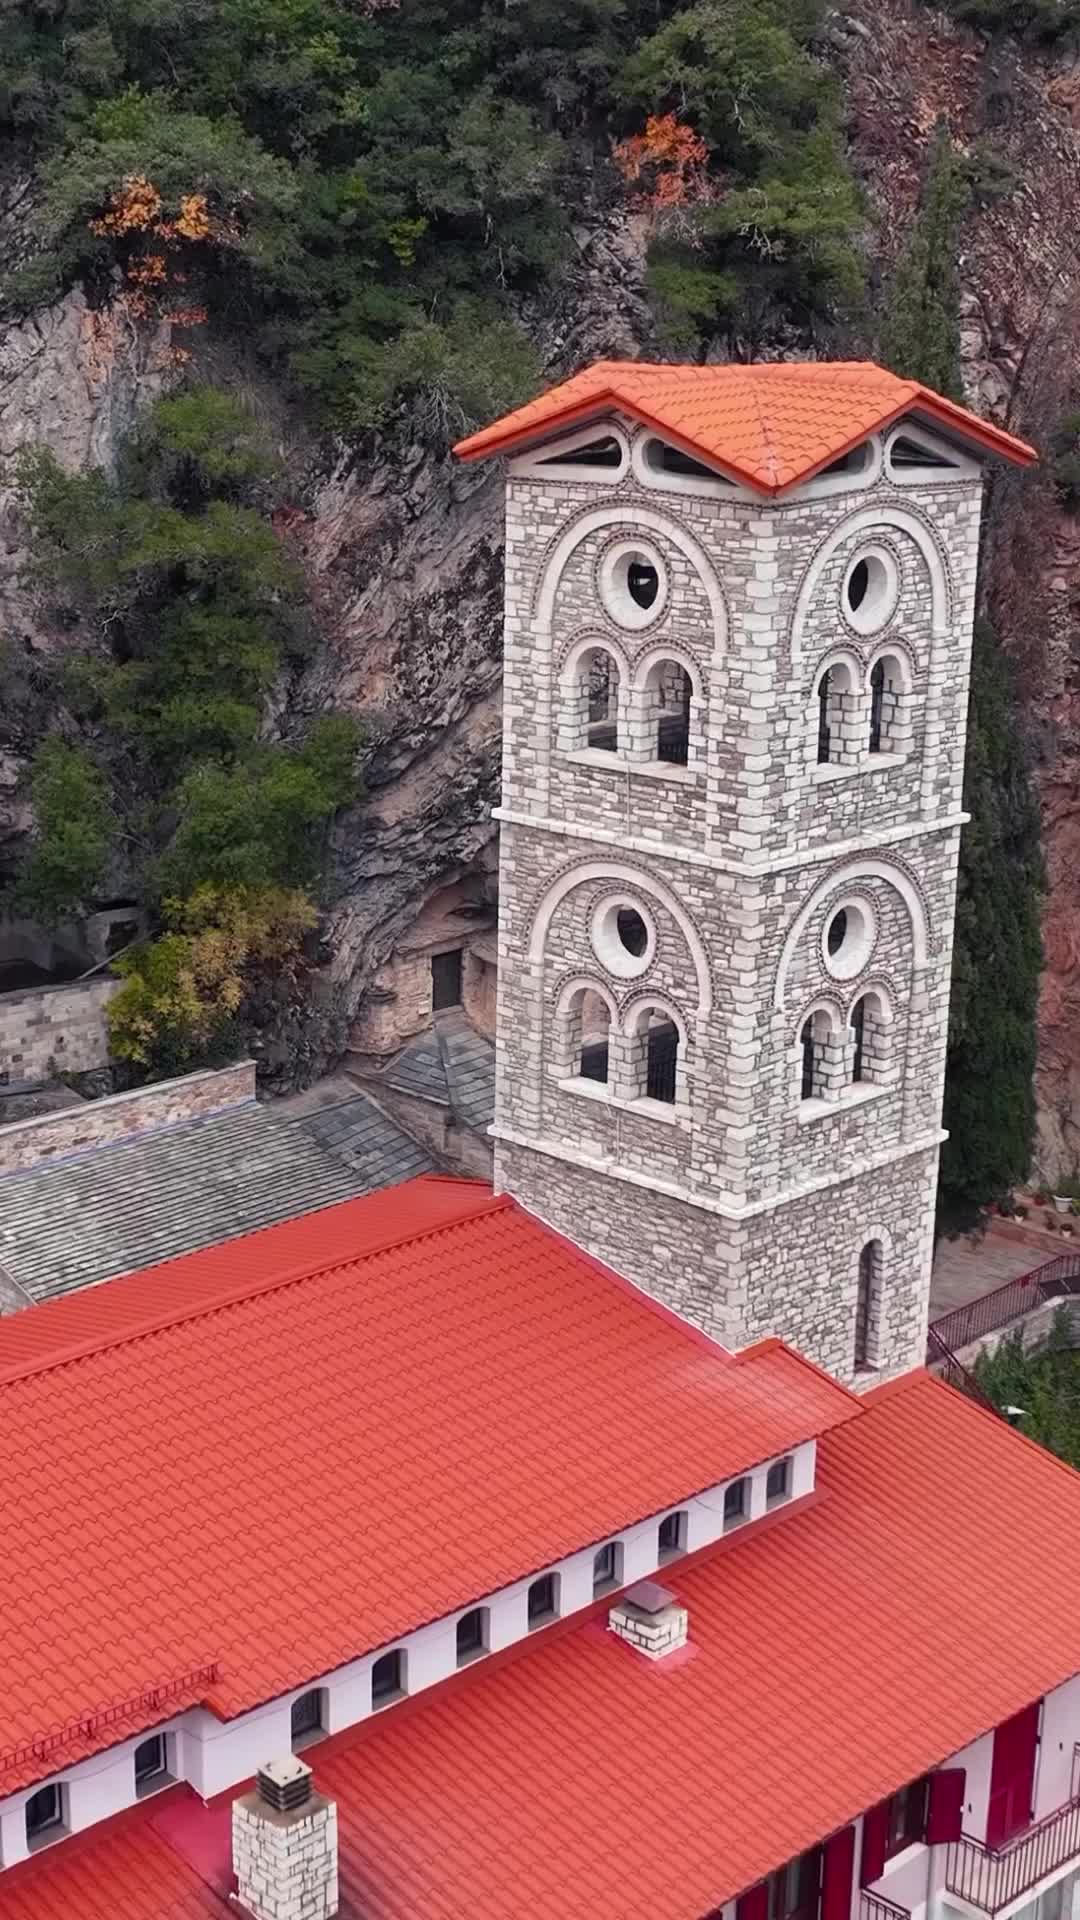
(450, 1064)
(131, 1204)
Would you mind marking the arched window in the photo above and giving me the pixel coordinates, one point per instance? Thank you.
(589, 712)
(871, 1041)
(652, 1057)
(583, 1038)
(868, 1306)
(607, 1567)
(889, 701)
(668, 692)
(820, 1057)
(308, 1718)
(835, 715)
(472, 1635)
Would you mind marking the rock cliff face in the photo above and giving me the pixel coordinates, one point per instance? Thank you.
(403, 552)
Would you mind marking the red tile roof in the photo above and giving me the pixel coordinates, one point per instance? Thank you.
(771, 425)
(836, 1653)
(358, 1422)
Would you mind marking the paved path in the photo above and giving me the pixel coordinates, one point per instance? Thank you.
(974, 1264)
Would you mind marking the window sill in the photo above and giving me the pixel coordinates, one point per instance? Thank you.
(733, 1526)
(665, 770)
(777, 1500)
(870, 763)
(617, 762)
(309, 1739)
(858, 1096)
(155, 1783)
(389, 1699)
(604, 1586)
(467, 1659)
(48, 1837)
(542, 1620)
(667, 1111)
(608, 757)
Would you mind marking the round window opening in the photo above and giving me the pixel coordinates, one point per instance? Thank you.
(848, 939)
(871, 589)
(623, 938)
(642, 583)
(632, 932)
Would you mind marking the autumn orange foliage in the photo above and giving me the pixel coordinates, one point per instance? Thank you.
(136, 211)
(669, 160)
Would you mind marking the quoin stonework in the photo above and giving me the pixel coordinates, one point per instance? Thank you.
(731, 813)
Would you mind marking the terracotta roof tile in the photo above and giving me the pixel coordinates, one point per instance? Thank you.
(770, 425)
(199, 1458)
(606, 1787)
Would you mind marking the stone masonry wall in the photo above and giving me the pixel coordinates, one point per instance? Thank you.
(55, 1136)
(50, 1030)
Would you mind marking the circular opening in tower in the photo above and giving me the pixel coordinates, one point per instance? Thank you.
(848, 939)
(623, 937)
(632, 931)
(871, 589)
(643, 583)
(633, 583)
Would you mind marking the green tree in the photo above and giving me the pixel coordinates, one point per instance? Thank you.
(1041, 1382)
(921, 320)
(73, 828)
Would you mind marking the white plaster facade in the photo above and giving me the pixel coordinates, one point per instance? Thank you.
(213, 1755)
(734, 1198)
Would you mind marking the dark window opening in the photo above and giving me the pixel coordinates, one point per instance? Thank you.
(862, 1307)
(877, 702)
(150, 1762)
(778, 1481)
(907, 1816)
(632, 931)
(851, 462)
(605, 1567)
(445, 980)
(542, 1600)
(858, 1034)
(824, 735)
(834, 939)
(736, 1502)
(598, 453)
(857, 585)
(671, 1537)
(594, 1061)
(661, 1062)
(471, 1635)
(794, 1892)
(669, 459)
(905, 453)
(307, 1716)
(673, 727)
(807, 1088)
(44, 1811)
(602, 696)
(388, 1677)
(642, 583)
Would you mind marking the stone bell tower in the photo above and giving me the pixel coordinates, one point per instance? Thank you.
(738, 624)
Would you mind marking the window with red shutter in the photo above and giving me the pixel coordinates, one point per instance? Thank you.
(754, 1904)
(875, 1841)
(945, 1812)
(837, 1874)
(1012, 1776)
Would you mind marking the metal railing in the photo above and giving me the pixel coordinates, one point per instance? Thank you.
(873, 1907)
(950, 1369)
(1053, 1280)
(994, 1878)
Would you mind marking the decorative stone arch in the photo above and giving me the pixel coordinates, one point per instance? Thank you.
(632, 877)
(587, 983)
(826, 1003)
(870, 1035)
(597, 639)
(864, 520)
(636, 519)
(635, 1064)
(655, 657)
(838, 656)
(885, 993)
(844, 877)
(575, 730)
(874, 1244)
(571, 1046)
(643, 1002)
(899, 649)
(835, 709)
(818, 1049)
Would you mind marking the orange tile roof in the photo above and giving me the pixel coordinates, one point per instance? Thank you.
(836, 1653)
(352, 1424)
(771, 425)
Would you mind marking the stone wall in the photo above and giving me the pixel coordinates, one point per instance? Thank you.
(50, 1030)
(55, 1136)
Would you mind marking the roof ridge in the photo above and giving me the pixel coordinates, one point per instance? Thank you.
(771, 1341)
(230, 1296)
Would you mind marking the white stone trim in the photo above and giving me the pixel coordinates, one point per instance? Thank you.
(626, 515)
(886, 837)
(709, 1202)
(655, 656)
(638, 881)
(843, 877)
(537, 463)
(884, 586)
(964, 467)
(875, 518)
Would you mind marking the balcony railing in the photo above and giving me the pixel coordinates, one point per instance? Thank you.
(993, 1879)
(873, 1907)
(1054, 1280)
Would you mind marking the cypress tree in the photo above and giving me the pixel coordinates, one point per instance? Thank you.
(989, 1095)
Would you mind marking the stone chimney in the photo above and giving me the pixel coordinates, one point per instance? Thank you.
(284, 1846)
(650, 1619)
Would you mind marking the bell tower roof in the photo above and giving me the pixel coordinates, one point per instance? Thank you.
(770, 425)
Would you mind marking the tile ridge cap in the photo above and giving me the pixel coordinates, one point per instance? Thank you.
(232, 1295)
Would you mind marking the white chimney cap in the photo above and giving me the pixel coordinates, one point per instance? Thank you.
(285, 1771)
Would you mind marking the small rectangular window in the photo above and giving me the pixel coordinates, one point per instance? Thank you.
(736, 1502)
(471, 1635)
(606, 1567)
(671, 1536)
(907, 1816)
(45, 1815)
(151, 1764)
(388, 1678)
(795, 1891)
(778, 1481)
(542, 1601)
(445, 980)
(306, 1718)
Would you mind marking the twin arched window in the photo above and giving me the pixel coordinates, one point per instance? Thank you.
(831, 1060)
(640, 1058)
(647, 720)
(857, 717)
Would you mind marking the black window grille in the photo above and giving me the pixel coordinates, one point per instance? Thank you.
(662, 1053)
(807, 1088)
(877, 701)
(824, 736)
(858, 1031)
(862, 1306)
